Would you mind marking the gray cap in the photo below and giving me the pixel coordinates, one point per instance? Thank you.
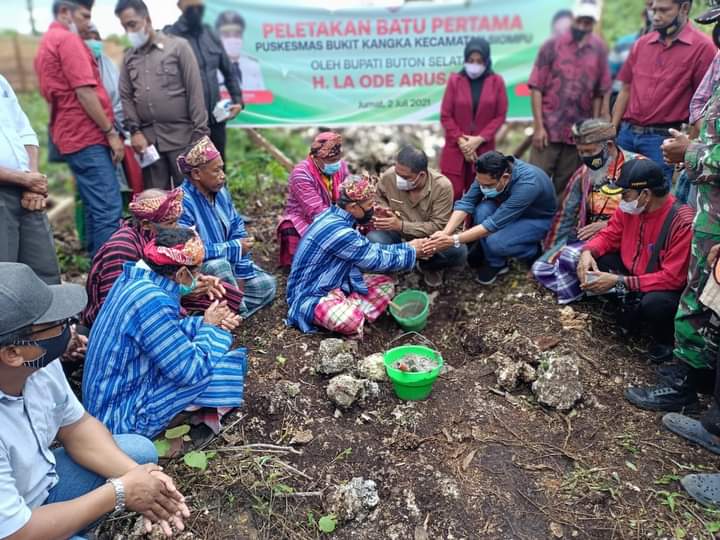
(25, 299)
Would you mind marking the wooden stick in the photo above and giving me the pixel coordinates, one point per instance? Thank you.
(273, 150)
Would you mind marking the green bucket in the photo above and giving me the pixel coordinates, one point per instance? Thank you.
(412, 386)
(414, 307)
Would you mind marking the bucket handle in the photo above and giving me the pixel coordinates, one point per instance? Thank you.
(418, 335)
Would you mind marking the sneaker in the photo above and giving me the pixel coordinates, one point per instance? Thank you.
(433, 278)
(663, 397)
(692, 430)
(704, 488)
(487, 275)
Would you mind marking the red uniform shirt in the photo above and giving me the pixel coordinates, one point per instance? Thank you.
(664, 78)
(569, 76)
(63, 63)
(634, 236)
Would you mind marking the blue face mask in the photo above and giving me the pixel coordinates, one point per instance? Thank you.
(491, 193)
(331, 168)
(95, 46)
(188, 289)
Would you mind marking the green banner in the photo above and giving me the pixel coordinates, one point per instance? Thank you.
(366, 66)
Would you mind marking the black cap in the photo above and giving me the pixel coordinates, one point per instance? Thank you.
(230, 18)
(640, 174)
(711, 15)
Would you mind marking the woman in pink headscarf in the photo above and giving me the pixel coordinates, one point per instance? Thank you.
(313, 186)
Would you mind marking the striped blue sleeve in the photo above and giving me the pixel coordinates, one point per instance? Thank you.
(371, 257)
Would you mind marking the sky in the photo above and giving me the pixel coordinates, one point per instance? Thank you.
(162, 12)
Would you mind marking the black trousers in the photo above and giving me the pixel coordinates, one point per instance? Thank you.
(653, 310)
(219, 137)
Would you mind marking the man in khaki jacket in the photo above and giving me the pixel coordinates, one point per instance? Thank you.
(415, 201)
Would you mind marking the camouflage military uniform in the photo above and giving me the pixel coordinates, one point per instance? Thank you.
(702, 161)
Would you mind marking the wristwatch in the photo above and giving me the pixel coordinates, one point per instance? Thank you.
(456, 240)
(620, 286)
(119, 495)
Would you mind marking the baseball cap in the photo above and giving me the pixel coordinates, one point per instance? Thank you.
(25, 299)
(588, 10)
(640, 174)
(711, 15)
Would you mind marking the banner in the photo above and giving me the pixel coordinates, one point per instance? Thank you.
(368, 66)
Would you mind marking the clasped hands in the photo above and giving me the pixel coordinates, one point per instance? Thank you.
(34, 196)
(220, 315)
(601, 283)
(468, 146)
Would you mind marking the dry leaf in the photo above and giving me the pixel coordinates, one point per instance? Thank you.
(556, 530)
(468, 459)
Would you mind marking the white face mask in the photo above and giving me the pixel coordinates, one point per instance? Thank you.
(474, 70)
(233, 46)
(403, 184)
(631, 207)
(138, 39)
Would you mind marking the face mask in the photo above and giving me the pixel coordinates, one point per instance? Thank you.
(716, 35)
(331, 168)
(671, 29)
(474, 71)
(578, 34)
(138, 39)
(233, 46)
(187, 289)
(631, 207)
(367, 216)
(597, 161)
(194, 16)
(491, 193)
(95, 46)
(53, 348)
(403, 184)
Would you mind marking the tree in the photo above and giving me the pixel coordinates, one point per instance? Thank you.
(33, 29)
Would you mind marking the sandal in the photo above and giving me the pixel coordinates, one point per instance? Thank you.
(704, 488)
(692, 430)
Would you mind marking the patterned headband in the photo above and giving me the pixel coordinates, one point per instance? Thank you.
(164, 209)
(191, 253)
(326, 145)
(358, 188)
(202, 152)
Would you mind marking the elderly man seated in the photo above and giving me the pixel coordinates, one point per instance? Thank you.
(146, 365)
(642, 255)
(57, 491)
(313, 185)
(512, 204)
(585, 207)
(326, 287)
(208, 207)
(149, 209)
(414, 201)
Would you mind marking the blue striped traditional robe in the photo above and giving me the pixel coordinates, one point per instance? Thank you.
(145, 364)
(220, 227)
(333, 255)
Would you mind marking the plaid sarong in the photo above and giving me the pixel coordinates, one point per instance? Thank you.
(347, 315)
(561, 276)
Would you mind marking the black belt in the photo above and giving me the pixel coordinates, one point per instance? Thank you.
(657, 129)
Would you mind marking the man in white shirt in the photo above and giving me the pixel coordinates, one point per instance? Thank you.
(59, 493)
(25, 234)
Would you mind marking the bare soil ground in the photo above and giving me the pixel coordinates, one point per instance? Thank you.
(471, 462)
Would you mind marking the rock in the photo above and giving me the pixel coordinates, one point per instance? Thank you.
(373, 367)
(303, 436)
(333, 346)
(558, 384)
(354, 500)
(527, 373)
(344, 390)
(332, 365)
(510, 373)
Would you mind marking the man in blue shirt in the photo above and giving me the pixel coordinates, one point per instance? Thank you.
(512, 204)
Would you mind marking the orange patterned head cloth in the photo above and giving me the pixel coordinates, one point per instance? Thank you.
(202, 152)
(191, 253)
(358, 188)
(326, 145)
(157, 205)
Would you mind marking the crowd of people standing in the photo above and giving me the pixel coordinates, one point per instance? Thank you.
(619, 200)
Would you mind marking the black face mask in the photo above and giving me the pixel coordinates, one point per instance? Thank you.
(671, 29)
(367, 216)
(53, 348)
(578, 34)
(716, 35)
(597, 161)
(194, 16)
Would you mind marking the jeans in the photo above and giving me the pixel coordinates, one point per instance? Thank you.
(519, 239)
(75, 481)
(646, 144)
(100, 192)
(655, 310)
(449, 258)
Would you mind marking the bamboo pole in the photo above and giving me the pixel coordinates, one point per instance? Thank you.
(273, 150)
